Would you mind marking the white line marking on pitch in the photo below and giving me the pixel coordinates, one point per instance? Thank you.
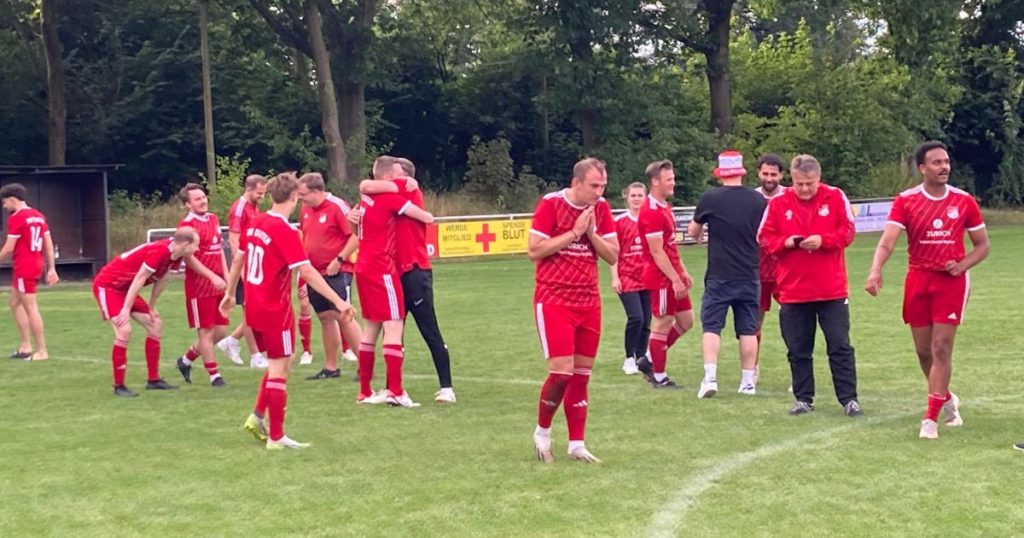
(669, 518)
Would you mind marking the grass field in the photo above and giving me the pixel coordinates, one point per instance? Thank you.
(75, 461)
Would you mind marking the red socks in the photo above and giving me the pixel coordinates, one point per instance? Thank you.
(393, 356)
(260, 409)
(153, 358)
(211, 368)
(366, 360)
(192, 353)
(277, 402)
(119, 357)
(576, 404)
(659, 351)
(935, 402)
(305, 330)
(345, 348)
(674, 334)
(551, 395)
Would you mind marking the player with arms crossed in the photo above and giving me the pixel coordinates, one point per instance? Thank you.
(272, 251)
(116, 289)
(935, 216)
(571, 229)
(28, 239)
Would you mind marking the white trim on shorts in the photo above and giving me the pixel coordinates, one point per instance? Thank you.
(967, 293)
(663, 301)
(389, 286)
(286, 343)
(21, 285)
(103, 302)
(542, 330)
(194, 311)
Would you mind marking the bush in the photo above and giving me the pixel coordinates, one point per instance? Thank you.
(491, 177)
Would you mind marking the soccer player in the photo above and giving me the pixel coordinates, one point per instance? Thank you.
(665, 276)
(807, 228)
(380, 287)
(116, 289)
(769, 174)
(204, 284)
(417, 275)
(246, 208)
(732, 213)
(273, 250)
(935, 216)
(329, 242)
(571, 228)
(627, 278)
(28, 240)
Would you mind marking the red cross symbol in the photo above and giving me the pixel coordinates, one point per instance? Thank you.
(485, 237)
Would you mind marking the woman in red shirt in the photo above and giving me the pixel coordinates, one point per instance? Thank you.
(627, 278)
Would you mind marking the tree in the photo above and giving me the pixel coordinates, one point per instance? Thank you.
(336, 167)
(204, 54)
(56, 96)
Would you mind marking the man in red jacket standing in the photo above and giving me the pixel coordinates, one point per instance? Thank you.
(807, 229)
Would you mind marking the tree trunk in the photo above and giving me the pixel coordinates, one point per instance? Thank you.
(353, 127)
(56, 97)
(588, 118)
(300, 67)
(717, 55)
(336, 158)
(204, 53)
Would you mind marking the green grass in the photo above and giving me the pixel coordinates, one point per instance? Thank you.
(74, 461)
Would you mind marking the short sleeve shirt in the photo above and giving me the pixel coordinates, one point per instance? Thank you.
(733, 214)
(935, 226)
(273, 249)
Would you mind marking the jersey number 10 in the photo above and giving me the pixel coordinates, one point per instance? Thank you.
(254, 265)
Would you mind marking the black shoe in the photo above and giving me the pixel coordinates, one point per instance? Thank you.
(644, 365)
(159, 384)
(325, 374)
(124, 392)
(666, 383)
(852, 409)
(21, 355)
(801, 408)
(185, 369)
(219, 382)
(1019, 446)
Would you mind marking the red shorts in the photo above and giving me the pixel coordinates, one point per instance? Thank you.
(767, 294)
(935, 297)
(112, 301)
(24, 284)
(204, 312)
(664, 303)
(566, 331)
(380, 297)
(276, 344)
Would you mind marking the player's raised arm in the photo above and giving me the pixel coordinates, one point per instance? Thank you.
(540, 245)
(410, 210)
(377, 186)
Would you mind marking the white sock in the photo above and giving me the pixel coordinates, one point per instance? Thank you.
(710, 372)
(659, 377)
(186, 361)
(747, 377)
(214, 377)
(543, 432)
(574, 445)
(255, 356)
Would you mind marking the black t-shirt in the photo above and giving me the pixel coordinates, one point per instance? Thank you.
(733, 215)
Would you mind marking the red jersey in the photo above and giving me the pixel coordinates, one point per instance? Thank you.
(210, 254)
(631, 253)
(120, 272)
(411, 235)
(273, 249)
(656, 219)
(377, 232)
(766, 268)
(569, 276)
(28, 227)
(325, 230)
(805, 276)
(241, 215)
(935, 226)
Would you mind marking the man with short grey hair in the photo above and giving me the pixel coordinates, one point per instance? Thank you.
(807, 228)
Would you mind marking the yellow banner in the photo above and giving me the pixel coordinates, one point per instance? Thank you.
(482, 237)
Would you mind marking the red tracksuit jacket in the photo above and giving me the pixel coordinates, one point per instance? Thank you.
(809, 275)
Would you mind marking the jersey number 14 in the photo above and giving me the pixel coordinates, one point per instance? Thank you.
(36, 242)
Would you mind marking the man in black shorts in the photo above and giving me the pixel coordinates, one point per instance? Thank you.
(328, 240)
(732, 214)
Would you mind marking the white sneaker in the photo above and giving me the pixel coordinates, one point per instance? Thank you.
(445, 395)
(285, 442)
(749, 390)
(707, 388)
(230, 346)
(584, 455)
(306, 358)
(929, 429)
(350, 356)
(259, 361)
(402, 401)
(951, 410)
(629, 366)
(376, 398)
(542, 446)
